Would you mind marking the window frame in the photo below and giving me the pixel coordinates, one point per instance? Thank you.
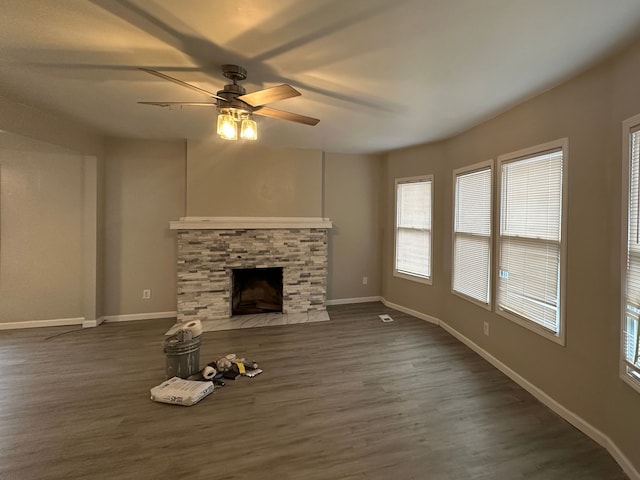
(629, 126)
(563, 144)
(407, 276)
(461, 171)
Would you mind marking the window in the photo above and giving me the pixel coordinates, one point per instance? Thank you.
(472, 233)
(413, 228)
(630, 358)
(531, 243)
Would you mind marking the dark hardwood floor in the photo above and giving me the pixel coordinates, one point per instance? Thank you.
(352, 398)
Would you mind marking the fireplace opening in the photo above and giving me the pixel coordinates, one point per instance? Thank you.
(256, 290)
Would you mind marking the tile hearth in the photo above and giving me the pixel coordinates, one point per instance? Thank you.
(263, 320)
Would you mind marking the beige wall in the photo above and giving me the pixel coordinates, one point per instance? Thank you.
(41, 231)
(353, 200)
(583, 375)
(53, 131)
(241, 180)
(411, 162)
(144, 190)
(249, 180)
(32, 122)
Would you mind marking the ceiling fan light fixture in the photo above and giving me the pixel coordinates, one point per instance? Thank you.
(236, 107)
(248, 129)
(227, 127)
(232, 118)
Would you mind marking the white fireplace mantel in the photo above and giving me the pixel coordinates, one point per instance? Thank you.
(242, 223)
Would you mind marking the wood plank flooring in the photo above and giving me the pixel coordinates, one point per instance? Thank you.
(352, 398)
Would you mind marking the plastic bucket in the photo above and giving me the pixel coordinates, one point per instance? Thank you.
(183, 357)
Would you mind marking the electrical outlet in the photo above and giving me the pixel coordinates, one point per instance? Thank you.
(385, 318)
(365, 280)
(146, 294)
(486, 328)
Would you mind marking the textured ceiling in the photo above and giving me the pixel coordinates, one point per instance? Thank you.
(379, 74)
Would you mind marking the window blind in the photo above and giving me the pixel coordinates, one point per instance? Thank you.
(530, 238)
(413, 227)
(472, 234)
(631, 338)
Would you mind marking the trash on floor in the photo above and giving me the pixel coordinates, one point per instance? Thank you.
(187, 383)
(178, 391)
(231, 367)
(208, 372)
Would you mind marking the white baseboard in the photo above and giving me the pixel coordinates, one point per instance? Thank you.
(139, 316)
(409, 311)
(345, 301)
(622, 460)
(574, 419)
(93, 323)
(58, 322)
(571, 417)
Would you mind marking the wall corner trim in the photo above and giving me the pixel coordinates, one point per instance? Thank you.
(93, 323)
(575, 420)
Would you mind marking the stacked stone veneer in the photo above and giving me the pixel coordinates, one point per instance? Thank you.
(207, 257)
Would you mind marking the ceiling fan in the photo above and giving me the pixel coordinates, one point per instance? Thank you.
(235, 106)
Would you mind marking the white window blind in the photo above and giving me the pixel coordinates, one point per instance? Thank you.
(413, 227)
(631, 339)
(530, 238)
(472, 234)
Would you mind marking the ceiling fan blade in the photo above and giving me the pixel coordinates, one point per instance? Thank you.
(182, 104)
(282, 115)
(180, 82)
(269, 95)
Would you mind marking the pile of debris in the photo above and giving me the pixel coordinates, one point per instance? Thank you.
(187, 382)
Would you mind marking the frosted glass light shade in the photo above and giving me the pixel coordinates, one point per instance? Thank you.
(249, 130)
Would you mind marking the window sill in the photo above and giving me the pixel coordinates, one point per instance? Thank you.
(486, 306)
(632, 380)
(413, 278)
(534, 327)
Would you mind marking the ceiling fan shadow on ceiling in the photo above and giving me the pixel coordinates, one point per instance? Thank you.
(236, 107)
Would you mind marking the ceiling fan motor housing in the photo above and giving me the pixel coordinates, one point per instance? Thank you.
(233, 106)
(234, 72)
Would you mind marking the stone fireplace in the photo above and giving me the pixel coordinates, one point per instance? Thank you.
(211, 248)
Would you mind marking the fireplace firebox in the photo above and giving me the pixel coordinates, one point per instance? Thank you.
(256, 290)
